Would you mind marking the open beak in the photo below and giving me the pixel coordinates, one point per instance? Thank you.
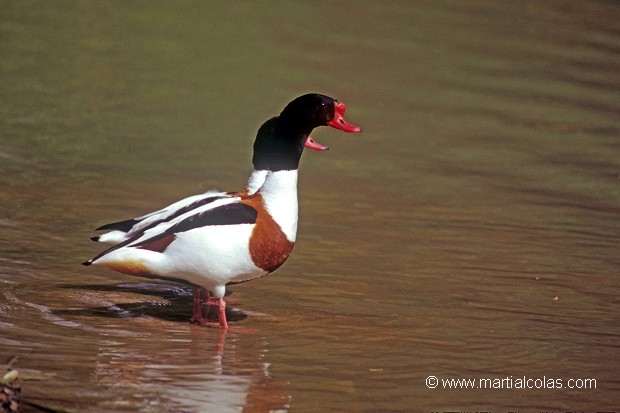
(340, 123)
(314, 145)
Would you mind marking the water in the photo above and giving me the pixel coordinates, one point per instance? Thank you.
(471, 230)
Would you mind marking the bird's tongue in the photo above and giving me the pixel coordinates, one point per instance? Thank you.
(339, 121)
(314, 145)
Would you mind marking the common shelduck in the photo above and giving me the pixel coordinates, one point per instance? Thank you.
(213, 239)
(124, 230)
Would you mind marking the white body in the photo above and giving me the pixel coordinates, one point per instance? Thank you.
(210, 256)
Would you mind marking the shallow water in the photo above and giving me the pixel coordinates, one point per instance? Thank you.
(471, 230)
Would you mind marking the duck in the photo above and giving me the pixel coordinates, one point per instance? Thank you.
(123, 230)
(216, 239)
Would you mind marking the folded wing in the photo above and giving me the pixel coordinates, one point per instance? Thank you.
(157, 234)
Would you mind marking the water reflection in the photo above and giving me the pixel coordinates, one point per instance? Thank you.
(152, 355)
(221, 376)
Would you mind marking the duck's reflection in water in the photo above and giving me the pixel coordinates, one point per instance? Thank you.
(180, 367)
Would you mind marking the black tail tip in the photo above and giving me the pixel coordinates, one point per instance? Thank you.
(87, 263)
(96, 238)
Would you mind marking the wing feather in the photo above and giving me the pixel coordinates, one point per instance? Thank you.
(124, 226)
(227, 212)
(142, 223)
(170, 215)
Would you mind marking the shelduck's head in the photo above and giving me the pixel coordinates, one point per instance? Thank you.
(280, 141)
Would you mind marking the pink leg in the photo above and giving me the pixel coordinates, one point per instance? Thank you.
(221, 305)
(197, 307)
(209, 300)
(197, 315)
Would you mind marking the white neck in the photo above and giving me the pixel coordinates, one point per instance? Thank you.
(279, 192)
(255, 181)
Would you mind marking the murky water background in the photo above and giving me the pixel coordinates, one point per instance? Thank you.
(471, 230)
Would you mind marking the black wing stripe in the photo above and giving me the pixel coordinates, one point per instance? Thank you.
(121, 225)
(128, 224)
(229, 214)
(181, 211)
